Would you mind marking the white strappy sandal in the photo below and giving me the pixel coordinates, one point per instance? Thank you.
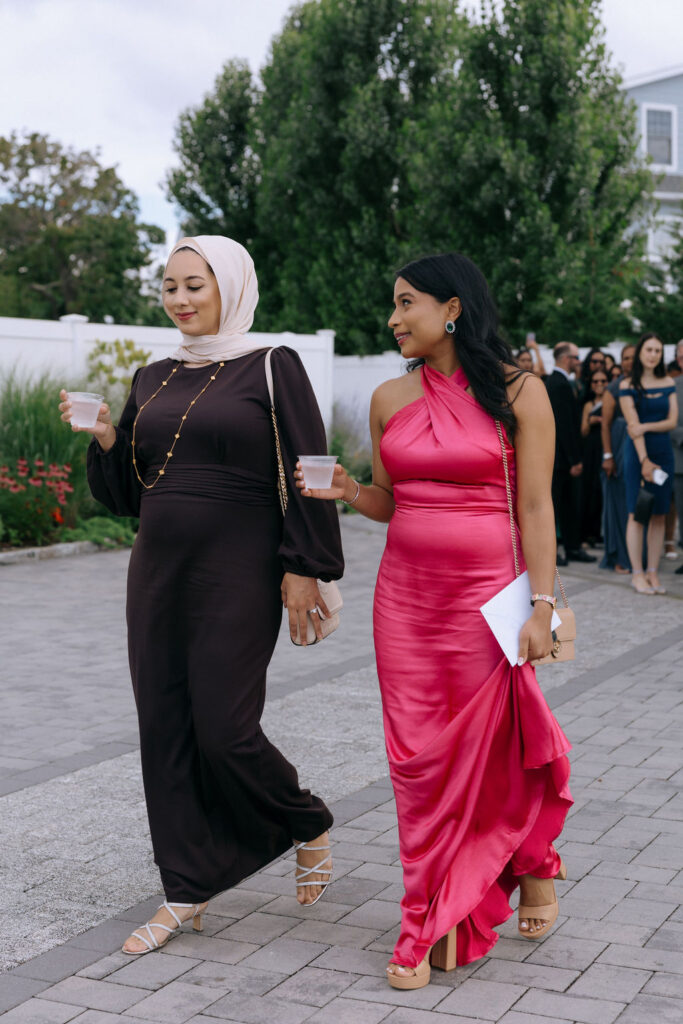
(302, 873)
(151, 941)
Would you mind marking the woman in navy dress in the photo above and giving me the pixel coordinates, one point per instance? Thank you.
(648, 402)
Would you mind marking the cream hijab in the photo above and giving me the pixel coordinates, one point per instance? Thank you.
(233, 268)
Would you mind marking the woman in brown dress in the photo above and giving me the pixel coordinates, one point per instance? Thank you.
(214, 560)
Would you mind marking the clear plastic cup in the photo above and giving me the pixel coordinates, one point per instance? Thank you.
(318, 470)
(85, 408)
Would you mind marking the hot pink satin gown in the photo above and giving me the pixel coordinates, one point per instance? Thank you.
(478, 762)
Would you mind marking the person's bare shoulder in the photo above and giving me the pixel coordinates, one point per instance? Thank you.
(391, 395)
(625, 384)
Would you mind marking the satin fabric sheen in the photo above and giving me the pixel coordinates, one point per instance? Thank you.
(477, 759)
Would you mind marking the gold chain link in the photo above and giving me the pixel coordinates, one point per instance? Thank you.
(176, 436)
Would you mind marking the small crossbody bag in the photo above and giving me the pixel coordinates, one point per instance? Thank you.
(564, 636)
(329, 592)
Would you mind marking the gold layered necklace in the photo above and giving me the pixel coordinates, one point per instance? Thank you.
(176, 436)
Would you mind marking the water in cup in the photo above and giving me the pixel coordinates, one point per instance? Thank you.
(85, 408)
(318, 470)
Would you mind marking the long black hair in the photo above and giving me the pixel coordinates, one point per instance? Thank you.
(637, 370)
(480, 349)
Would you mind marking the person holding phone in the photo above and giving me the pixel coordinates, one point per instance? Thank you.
(650, 407)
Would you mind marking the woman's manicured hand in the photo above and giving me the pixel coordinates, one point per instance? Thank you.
(343, 486)
(301, 596)
(647, 469)
(535, 636)
(103, 429)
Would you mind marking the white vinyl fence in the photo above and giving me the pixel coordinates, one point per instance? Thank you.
(61, 348)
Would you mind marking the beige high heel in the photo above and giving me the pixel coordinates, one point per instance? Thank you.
(151, 941)
(442, 955)
(547, 913)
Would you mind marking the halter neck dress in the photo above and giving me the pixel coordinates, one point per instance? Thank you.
(477, 760)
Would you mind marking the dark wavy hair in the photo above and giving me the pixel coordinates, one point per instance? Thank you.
(479, 347)
(586, 364)
(637, 370)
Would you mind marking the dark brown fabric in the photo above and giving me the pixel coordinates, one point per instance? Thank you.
(204, 609)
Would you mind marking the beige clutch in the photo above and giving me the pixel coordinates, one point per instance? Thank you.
(331, 595)
(563, 640)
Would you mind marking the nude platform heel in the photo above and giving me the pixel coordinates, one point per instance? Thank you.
(441, 955)
(547, 913)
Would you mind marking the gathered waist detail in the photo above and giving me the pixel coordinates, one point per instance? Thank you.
(446, 496)
(222, 483)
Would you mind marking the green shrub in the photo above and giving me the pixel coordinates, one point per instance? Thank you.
(33, 499)
(31, 428)
(106, 532)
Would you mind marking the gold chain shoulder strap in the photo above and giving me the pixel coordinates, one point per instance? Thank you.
(513, 528)
(281, 475)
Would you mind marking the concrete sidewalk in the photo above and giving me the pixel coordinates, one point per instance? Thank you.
(77, 864)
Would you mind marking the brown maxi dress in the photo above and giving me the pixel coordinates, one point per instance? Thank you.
(204, 608)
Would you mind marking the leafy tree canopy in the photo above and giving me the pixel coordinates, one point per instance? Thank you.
(658, 293)
(70, 240)
(382, 131)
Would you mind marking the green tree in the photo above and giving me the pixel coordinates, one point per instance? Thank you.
(70, 239)
(381, 131)
(314, 158)
(528, 164)
(215, 184)
(658, 292)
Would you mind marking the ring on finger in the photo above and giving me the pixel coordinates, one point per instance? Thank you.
(312, 611)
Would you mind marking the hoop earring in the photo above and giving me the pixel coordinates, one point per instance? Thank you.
(450, 326)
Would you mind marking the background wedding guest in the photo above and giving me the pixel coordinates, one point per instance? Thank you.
(529, 357)
(613, 432)
(591, 423)
(610, 363)
(677, 441)
(568, 464)
(593, 360)
(650, 407)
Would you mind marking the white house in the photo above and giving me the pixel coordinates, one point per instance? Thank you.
(659, 100)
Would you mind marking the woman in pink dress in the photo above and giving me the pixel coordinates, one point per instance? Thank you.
(478, 762)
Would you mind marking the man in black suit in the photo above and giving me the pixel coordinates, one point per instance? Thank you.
(567, 451)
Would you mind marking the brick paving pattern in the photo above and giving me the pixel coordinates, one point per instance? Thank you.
(614, 956)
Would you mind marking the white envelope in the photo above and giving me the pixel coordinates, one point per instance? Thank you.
(507, 612)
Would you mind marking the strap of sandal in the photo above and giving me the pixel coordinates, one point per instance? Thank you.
(169, 906)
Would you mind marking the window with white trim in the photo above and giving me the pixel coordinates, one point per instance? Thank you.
(659, 134)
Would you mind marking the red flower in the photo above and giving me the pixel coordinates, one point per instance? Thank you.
(66, 467)
(38, 462)
(16, 488)
(35, 482)
(57, 515)
(22, 470)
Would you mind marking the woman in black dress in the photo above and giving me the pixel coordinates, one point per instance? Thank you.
(591, 433)
(214, 560)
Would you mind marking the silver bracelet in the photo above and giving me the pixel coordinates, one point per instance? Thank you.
(354, 499)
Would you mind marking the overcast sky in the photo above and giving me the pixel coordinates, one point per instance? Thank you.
(115, 74)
